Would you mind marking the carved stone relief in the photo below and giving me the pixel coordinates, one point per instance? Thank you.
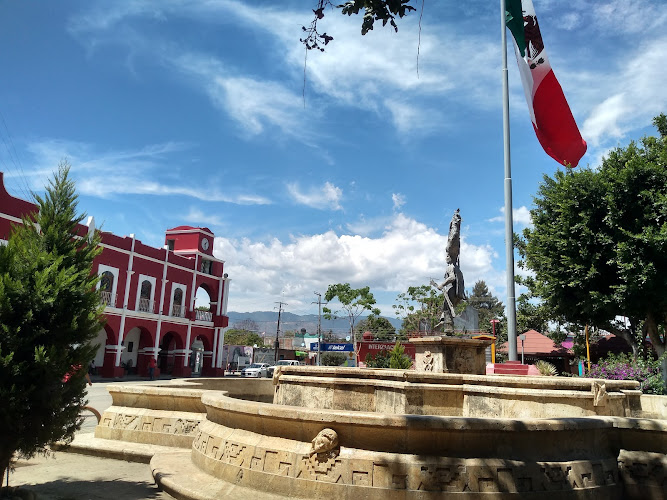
(447, 475)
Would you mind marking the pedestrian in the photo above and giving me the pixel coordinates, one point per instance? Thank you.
(151, 368)
(74, 369)
(92, 368)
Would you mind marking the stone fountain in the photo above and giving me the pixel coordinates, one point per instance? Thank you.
(358, 433)
(442, 430)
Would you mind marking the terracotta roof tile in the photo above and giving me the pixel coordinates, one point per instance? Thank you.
(536, 343)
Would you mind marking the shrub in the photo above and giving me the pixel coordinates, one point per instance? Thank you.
(380, 360)
(546, 368)
(398, 360)
(625, 367)
(333, 359)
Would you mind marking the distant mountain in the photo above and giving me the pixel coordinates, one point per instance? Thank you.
(267, 321)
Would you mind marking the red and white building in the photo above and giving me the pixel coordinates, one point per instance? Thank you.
(150, 298)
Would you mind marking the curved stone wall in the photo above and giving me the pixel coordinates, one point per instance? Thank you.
(168, 413)
(409, 392)
(270, 448)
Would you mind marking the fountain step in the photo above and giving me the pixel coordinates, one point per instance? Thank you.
(508, 368)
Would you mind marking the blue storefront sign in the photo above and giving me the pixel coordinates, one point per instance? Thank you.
(333, 347)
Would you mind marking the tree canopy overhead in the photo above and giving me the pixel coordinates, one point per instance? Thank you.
(598, 245)
(384, 11)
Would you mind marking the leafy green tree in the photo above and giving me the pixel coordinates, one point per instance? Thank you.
(598, 247)
(377, 325)
(235, 336)
(531, 315)
(353, 301)
(332, 359)
(398, 359)
(49, 312)
(419, 309)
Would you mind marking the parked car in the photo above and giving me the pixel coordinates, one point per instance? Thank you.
(255, 370)
(283, 362)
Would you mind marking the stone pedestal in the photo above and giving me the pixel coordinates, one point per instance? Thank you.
(450, 355)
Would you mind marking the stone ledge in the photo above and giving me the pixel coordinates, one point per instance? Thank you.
(175, 473)
(88, 444)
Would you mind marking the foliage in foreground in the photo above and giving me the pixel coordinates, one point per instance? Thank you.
(625, 367)
(49, 312)
(598, 246)
(396, 359)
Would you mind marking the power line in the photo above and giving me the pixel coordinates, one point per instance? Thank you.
(277, 344)
(15, 158)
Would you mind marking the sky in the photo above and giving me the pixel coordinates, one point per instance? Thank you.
(317, 168)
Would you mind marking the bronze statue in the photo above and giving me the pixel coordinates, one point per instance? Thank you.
(453, 287)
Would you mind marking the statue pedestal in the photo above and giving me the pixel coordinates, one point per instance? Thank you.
(450, 355)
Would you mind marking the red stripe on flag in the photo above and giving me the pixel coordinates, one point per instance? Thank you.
(555, 126)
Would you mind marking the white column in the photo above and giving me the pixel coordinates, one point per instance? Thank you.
(164, 285)
(186, 358)
(217, 352)
(121, 330)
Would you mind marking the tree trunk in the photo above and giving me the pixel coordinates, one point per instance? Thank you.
(629, 338)
(4, 468)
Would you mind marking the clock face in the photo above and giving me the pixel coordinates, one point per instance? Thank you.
(204, 243)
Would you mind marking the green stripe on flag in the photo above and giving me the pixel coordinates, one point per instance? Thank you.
(514, 21)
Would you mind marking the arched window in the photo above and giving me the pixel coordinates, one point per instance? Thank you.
(106, 281)
(106, 289)
(177, 308)
(145, 296)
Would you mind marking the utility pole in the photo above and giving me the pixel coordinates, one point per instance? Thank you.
(277, 343)
(319, 325)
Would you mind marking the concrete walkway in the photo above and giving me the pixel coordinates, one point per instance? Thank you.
(74, 476)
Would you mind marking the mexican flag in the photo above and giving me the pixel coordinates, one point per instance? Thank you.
(551, 116)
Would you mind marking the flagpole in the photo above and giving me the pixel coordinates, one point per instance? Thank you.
(509, 229)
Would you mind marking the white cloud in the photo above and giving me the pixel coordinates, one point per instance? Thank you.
(625, 96)
(398, 199)
(406, 253)
(197, 216)
(254, 104)
(638, 16)
(520, 215)
(326, 197)
(107, 173)
(377, 72)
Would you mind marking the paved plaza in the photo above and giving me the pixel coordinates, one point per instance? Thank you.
(72, 476)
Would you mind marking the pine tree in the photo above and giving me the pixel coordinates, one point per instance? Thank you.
(49, 313)
(398, 359)
(487, 305)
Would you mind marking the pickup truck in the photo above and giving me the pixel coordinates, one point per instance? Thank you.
(283, 362)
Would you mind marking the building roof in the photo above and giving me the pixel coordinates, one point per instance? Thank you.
(537, 344)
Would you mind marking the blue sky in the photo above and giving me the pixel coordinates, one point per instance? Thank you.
(195, 112)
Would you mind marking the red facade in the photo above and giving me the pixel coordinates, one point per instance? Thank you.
(150, 297)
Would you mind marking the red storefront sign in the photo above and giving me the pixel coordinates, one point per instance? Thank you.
(375, 347)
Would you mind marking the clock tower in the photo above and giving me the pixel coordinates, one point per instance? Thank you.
(189, 241)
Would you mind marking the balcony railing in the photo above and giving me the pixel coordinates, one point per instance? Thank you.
(204, 315)
(108, 299)
(146, 305)
(177, 311)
